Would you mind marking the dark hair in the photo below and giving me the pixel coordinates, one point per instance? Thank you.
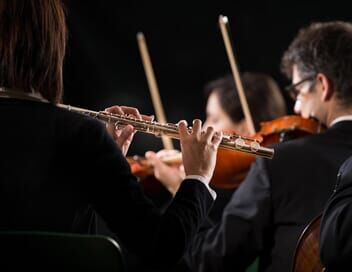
(264, 97)
(323, 48)
(32, 46)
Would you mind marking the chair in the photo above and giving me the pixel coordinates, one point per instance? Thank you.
(43, 251)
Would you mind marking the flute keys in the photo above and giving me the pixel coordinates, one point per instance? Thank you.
(240, 143)
(255, 146)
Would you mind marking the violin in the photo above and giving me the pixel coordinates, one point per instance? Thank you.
(232, 166)
(288, 127)
(152, 187)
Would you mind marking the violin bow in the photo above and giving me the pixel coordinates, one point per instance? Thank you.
(153, 86)
(224, 27)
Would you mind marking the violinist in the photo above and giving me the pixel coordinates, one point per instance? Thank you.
(59, 169)
(270, 209)
(224, 112)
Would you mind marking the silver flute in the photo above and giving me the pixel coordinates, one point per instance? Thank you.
(229, 141)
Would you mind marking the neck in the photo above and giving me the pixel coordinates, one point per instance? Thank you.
(337, 112)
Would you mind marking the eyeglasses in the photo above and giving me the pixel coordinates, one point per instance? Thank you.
(292, 88)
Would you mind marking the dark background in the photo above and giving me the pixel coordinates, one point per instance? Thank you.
(103, 66)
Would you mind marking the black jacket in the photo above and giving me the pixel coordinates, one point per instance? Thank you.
(273, 205)
(59, 170)
(336, 224)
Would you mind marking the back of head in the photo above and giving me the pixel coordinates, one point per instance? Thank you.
(323, 48)
(32, 46)
(263, 94)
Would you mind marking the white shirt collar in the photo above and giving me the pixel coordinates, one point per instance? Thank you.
(340, 119)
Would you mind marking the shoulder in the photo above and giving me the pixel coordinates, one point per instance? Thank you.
(299, 142)
(76, 121)
(293, 154)
(344, 176)
(301, 147)
(346, 167)
(71, 127)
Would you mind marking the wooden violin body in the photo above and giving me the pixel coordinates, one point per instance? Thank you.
(151, 186)
(306, 257)
(232, 166)
(287, 127)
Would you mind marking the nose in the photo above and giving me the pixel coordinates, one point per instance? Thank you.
(298, 106)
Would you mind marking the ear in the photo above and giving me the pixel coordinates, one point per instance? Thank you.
(326, 87)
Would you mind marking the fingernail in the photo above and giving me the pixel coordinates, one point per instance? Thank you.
(182, 121)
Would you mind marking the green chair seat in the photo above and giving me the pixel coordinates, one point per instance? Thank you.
(45, 251)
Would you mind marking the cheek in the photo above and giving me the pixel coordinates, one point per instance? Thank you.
(308, 109)
(210, 121)
(219, 126)
(303, 107)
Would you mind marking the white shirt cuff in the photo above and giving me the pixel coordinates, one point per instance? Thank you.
(205, 181)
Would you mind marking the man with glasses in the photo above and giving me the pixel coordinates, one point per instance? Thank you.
(279, 197)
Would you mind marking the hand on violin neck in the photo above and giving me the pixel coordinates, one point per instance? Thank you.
(170, 177)
(199, 148)
(123, 136)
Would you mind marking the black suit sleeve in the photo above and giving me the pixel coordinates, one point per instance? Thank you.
(236, 240)
(336, 224)
(159, 239)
